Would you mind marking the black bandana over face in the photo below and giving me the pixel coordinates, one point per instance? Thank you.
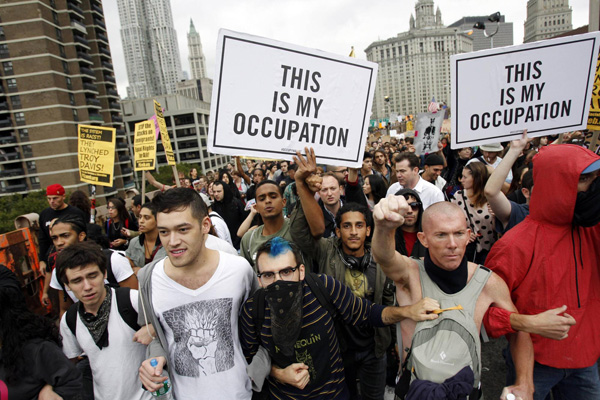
(449, 282)
(587, 206)
(97, 324)
(285, 300)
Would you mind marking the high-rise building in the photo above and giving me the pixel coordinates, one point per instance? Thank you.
(150, 47)
(196, 56)
(414, 66)
(199, 89)
(546, 19)
(502, 37)
(56, 73)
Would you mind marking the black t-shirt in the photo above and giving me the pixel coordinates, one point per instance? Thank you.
(361, 337)
(46, 218)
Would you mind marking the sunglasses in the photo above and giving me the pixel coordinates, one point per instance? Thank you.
(415, 205)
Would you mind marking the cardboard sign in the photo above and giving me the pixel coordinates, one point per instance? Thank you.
(96, 154)
(544, 87)
(427, 132)
(594, 116)
(164, 134)
(272, 98)
(144, 146)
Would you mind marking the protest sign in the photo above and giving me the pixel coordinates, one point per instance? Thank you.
(594, 116)
(272, 98)
(164, 134)
(96, 154)
(144, 146)
(544, 87)
(427, 132)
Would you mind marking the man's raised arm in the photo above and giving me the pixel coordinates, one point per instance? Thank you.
(389, 215)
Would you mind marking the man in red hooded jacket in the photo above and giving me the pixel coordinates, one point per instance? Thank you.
(552, 259)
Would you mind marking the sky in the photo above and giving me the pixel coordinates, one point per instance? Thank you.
(333, 25)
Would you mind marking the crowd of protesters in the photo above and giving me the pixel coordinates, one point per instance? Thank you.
(292, 280)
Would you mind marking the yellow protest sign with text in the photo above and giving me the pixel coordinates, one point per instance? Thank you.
(164, 134)
(96, 154)
(144, 146)
(594, 115)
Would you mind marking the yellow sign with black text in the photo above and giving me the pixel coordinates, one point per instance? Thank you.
(144, 146)
(164, 134)
(96, 154)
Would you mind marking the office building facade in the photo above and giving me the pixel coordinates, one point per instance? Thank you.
(196, 55)
(502, 32)
(547, 19)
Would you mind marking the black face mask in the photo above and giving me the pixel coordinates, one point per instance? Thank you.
(449, 282)
(587, 206)
(285, 300)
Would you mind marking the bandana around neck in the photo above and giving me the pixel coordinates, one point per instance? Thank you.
(449, 282)
(97, 324)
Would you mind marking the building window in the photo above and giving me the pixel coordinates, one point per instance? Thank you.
(59, 34)
(55, 17)
(34, 180)
(30, 164)
(61, 50)
(24, 134)
(4, 51)
(15, 101)
(52, 3)
(20, 118)
(11, 84)
(2, 37)
(75, 116)
(65, 67)
(8, 67)
(69, 84)
(72, 99)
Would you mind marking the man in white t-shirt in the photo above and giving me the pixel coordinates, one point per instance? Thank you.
(98, 328)
(193, 298)
(70, 229)
(407, 172)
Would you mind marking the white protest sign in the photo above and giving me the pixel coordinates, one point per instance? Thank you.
(272, 98)
(427, 132)
(544, 87)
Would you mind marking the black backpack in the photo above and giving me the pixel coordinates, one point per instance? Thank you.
(124, 306)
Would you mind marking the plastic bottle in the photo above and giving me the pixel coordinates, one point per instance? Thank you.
(164, 392)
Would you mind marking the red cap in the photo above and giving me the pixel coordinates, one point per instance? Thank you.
(55, 190)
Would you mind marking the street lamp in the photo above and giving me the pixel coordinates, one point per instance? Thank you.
(495, 17)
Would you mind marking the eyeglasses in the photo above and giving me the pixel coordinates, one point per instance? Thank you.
(342, 171)
(285, 274)
(415, 205)
(111, 208)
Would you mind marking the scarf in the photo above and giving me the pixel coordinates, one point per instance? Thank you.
(587, 206)
(285, 300)
(449, 282)
(97, 324)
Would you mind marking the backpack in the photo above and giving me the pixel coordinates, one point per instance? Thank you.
(124, 306)
(440, 348)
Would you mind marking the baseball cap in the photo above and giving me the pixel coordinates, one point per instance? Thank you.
(595, 166)
(55, 190)
(434, 159)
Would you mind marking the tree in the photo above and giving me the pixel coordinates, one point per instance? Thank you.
(17, 204)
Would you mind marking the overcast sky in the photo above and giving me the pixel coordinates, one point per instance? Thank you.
(332, 25)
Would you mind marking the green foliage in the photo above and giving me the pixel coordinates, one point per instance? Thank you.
(13, 206)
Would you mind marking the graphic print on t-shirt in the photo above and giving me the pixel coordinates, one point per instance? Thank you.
(203, 337)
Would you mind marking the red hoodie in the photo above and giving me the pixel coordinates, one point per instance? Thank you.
(547, 262)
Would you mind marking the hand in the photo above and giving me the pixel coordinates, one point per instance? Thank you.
(389, 212)
(422, 310)
(48, 393)
(118, 242)
(440, 145)
(410, 148)
(307, 170)
(45, 299)
(352, 174)
(490, 211)
(145, 335)
(520, 392)
(552, 324)
(150, 376)
(296, 375)
(253, 209)
(472, 237)
(126, 232)
(520, 144)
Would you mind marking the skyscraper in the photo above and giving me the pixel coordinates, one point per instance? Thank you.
(56, 72)
(546, 19)
(414, 66)
(150, 46)
(196, 56)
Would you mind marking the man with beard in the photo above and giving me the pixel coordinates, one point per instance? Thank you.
(297, 329)
(551, 260)
(230, 208)
(330, 201)
(381, 166)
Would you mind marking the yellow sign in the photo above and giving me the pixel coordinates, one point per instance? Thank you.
(96, 154)
(409, 126)
(144, 146)
(164, 134)
(594, 116)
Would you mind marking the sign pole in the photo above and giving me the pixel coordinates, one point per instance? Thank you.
(93, 208)
(176, 176)
(143, 199)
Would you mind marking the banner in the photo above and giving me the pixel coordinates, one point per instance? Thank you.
(144, 146)
(594, 116)
(544, 87)
(272, 98)
(164, 134)
(96, 154)
(427, 132)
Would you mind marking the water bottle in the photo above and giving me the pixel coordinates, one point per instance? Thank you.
(165, 391)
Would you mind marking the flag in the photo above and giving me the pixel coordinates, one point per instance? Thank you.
(433, 106)
(352, 53)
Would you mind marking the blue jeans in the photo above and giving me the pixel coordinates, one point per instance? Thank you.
(369, 370)
(564, 384)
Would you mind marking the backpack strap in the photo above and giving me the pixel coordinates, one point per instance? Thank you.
(71, 318)
(258, 311)
(318, 288)
(126, 310)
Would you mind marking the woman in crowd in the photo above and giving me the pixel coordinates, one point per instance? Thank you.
(375, 189)
(118, 219)
(193, 174)
(471, 199)
(239, 184)
(226, 177)
(32, 365)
